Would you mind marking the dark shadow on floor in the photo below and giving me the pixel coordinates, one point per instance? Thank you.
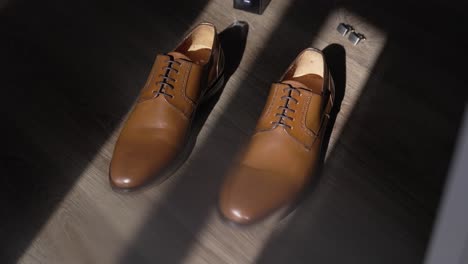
(70, 71)
(381, 185)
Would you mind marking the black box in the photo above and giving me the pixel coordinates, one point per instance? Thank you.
(254, 6)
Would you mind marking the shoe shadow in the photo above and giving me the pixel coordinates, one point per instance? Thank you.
(335, 55)
(233, 40)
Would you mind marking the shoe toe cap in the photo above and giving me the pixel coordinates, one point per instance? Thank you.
(133, 165)
(249, 195)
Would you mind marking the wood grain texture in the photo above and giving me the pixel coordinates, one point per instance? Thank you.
(73, 70)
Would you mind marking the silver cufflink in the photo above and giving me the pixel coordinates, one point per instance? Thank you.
(344, 29)
(355, 38)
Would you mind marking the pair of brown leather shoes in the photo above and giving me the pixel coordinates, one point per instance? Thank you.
(281, 155)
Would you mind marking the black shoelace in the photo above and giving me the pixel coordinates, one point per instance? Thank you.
(164, 83)
(285, 109)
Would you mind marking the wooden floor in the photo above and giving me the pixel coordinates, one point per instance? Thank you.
(71, 71)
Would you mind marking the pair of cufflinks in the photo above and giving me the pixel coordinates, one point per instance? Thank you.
(354, 36)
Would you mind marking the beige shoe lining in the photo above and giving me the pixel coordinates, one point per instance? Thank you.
(202, 38)
(309, 62)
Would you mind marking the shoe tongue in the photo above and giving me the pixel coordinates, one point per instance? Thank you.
(178, 55)
(295, 84)
(310, 82)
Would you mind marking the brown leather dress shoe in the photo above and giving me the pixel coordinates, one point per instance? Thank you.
(285, 148)
(152, 140)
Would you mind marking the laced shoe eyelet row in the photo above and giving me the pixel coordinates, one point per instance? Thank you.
(285, 109)
(165, 80)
